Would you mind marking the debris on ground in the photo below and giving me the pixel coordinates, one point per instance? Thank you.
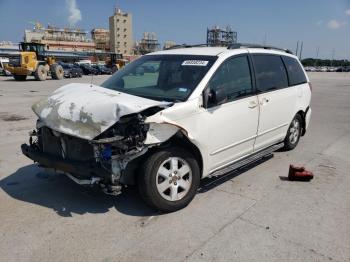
(299, 174)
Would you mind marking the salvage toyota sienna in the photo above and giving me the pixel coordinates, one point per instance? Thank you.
(173, 117)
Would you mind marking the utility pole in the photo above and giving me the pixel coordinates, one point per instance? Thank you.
(333, 54)
(296, 50)
(264, 40)
(317, 52)
(301, 50)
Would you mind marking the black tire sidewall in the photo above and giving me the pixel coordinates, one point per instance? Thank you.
(147, 180)
(287, 144)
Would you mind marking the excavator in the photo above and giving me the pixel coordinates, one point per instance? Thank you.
(33, 60)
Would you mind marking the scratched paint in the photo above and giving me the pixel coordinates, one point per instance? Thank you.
(85, 110)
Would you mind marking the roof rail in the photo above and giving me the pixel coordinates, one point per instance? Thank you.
(186, 46)
(242, 45)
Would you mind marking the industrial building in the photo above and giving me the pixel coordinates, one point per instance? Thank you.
(217, 36)
(101, 38)
(67, 39)
(120, 29)
(149, 43)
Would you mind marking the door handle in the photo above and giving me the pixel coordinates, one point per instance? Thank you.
(252, 104)
(264, 101)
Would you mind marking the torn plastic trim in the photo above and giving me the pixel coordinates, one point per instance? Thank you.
(160, 132)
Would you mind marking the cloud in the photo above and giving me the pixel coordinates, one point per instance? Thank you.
(347, 12)
(74, 12)
(335, 24)
(319, 23)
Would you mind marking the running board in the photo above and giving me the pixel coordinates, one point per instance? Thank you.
(247, 160)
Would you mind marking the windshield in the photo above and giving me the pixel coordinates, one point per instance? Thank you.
(161, 77)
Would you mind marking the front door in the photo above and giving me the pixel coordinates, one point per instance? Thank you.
(232, 125)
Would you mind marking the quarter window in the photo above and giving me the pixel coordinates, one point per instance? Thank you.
(234, 77)
(296, 74)
(270, 72)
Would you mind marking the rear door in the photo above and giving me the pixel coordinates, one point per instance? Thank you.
(277, 100)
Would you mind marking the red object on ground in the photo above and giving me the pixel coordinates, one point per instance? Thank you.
(299, 174)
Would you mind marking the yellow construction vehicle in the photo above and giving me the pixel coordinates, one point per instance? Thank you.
(34, 61)
(116, 62)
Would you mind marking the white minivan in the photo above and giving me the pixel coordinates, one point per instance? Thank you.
(173, 117)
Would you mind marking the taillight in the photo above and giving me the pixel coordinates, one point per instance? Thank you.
(310, 85)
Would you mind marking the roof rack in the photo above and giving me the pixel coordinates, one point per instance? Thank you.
(186, 46)
(242, 45)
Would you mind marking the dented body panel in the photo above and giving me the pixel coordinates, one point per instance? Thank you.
(86, 111)
(119, 129)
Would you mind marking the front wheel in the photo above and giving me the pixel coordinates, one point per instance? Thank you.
(293, 134)
(57, 71)
(169, 179)
(40, 73)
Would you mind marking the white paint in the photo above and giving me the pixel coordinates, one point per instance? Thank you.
(159, 133)
(96, 107)
(222, 134)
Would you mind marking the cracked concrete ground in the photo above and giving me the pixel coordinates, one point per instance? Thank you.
(254, 216)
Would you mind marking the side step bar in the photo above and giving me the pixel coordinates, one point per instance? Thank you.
(247, 160)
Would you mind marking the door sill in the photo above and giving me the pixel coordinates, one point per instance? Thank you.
(247, 160)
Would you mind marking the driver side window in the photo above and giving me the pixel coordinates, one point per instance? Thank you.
(234, 77)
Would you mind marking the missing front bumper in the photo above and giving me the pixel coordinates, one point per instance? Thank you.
(81, 169)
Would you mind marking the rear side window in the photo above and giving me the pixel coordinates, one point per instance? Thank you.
(270, 72)
(295, 72)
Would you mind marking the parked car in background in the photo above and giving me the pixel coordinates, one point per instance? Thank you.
(88, 69)
(78, 68)
(71, 71)
(102, 69)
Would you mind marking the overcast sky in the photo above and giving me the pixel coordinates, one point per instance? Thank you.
(323, 23)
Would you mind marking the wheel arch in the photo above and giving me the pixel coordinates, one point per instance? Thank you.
(302, 113)
(133, 168)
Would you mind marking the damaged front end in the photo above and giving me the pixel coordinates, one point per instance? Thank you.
(103, 160)
(95, 144)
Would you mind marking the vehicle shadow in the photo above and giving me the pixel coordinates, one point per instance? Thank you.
(35, 185)
(212, 182)
(56, 191)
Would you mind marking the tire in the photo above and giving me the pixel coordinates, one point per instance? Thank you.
(40, 73)
(293, 134)
(57, 71)
(179, 187)
(20, 77)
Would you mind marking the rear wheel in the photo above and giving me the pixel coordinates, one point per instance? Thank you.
(293, 134)
(40, 73)
(169, 179)
(57, 72)
(20, 77)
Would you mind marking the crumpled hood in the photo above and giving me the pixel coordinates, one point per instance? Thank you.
(85, 110)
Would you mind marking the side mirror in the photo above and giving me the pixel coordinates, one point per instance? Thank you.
(214, 97)
(219, 95)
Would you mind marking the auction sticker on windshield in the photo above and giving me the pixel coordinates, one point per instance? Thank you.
(195, 63)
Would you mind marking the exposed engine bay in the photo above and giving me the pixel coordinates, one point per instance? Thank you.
(102, 161)
(95, 143)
